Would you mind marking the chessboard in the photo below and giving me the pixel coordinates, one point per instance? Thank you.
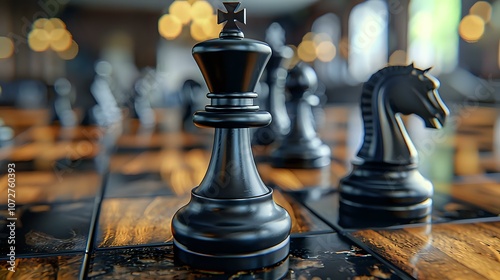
(97, 203)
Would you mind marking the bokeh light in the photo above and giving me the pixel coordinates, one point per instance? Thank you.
(169, 26)
(326, 51)
(70, 52)
(60, 39)
(57, 23)
(344, 47)
(482, 9)
(49, 26)
(197, 31)
(50, 33)
(307, 51)
(471, 28)
(182, 10)
(309, 36)
(201, 10)
(6, 47)
(39, 40)
(40, 23)
(321, 37)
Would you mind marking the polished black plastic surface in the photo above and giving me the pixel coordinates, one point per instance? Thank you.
(386, 184)
(302, 147)
(232, 222)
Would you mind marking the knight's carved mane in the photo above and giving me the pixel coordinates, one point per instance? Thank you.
(368, 97)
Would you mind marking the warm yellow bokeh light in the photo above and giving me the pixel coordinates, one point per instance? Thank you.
(182, 10)
(49, 26)
(201, 10)
(39, 40)
(498, 54)
(216, 28)
(6, 47)
(398, 57)
(60, 39)
(482, 9)
(70, 52)
(308, 37)
(169, 26)
(39, 23)
(321, 37)
(471, 28)
(344, 47)
(307, 51)
(209, 26)
(326, 51)
(57, 23)
(197, 31)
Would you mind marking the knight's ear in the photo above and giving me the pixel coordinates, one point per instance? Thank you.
(428, 69)
(411, 65)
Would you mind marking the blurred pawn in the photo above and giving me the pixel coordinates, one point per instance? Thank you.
(106, 112)
(62, 110)
(301, 148)
(273, 98)
(144, 87)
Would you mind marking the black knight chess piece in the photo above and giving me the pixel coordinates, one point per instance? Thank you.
(232, 222)
(301, 148)
(275, 77)
(385, 186)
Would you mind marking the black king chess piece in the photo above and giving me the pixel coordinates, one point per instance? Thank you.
(232, 222)
(301, 148)
(275, 77)
(385, 186)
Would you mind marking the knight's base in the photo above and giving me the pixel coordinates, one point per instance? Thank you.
(274, 256)
(352, 215)
(384, 194)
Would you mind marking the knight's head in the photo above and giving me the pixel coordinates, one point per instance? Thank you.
(420, 97)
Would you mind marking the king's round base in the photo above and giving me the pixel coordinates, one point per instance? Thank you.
(231, 234)
(237, 262)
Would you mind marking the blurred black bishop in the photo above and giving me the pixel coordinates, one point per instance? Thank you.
(232, 222)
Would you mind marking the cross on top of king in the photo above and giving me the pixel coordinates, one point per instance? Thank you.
(230, 28)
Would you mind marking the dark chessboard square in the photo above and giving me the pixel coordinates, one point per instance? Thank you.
(160, 263)
(56, 267)
(136, 185)
(323, 256)
(49, 228)
(328, 256)
(303, 221)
